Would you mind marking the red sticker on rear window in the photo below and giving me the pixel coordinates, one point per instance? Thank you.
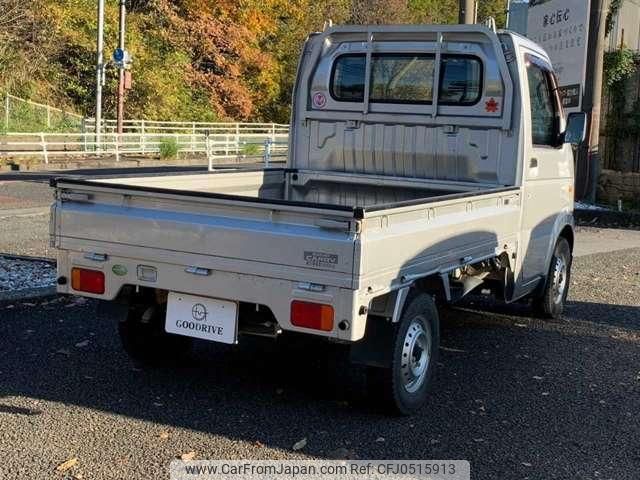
(492, 106)
(319, 100)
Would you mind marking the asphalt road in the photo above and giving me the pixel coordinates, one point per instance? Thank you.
(518, 397)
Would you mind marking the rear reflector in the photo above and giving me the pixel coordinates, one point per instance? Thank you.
(90, 281)
(312, 315)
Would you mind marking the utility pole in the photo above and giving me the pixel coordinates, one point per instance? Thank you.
(589, 152)
(121, 35)
(467, 12)
(99, 71)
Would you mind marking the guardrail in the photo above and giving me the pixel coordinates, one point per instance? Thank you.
(214, 146)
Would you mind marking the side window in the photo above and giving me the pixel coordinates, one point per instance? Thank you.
(461, 80)
(402, 78)
(545, 116)
(347, 83)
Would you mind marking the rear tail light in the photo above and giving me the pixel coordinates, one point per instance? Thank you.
(312, 315)
(90, 281)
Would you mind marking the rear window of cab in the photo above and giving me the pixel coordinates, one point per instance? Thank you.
(407, 78)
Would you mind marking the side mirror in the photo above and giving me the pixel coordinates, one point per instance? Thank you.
(576, 130)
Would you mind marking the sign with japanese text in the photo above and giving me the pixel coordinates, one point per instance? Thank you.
(561, 27)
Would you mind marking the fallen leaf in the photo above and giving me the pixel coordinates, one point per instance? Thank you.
(536, 377)
(300, 444)
(454, 350)
(84, 343)
(380, 439)
(478, 440)
(343, 454)
(164, 435)
(158, 404)
(64, 466)
(185, 457)
(527, 464)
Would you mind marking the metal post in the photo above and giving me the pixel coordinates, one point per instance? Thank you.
(99, 70)
(207, 147)
(466, 13)
(142, 136)
(116, 137)
(48, 116)
(121, 35)
(83, 130)
(237, 138)
(43, 144)
(6, 112)
(267, 152)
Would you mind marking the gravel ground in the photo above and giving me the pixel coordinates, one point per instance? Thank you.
(25, 274)
(517, 397)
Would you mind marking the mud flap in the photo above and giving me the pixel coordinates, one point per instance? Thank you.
(375, 349)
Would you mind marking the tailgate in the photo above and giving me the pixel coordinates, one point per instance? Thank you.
(250, 237)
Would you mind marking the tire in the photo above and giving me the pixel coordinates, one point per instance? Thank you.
(143, 337)
(550, 304)
(403, 386)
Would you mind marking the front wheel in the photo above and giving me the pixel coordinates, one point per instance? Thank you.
(404, 385)
(550, 304)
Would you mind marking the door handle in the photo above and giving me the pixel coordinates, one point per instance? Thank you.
(533, 163)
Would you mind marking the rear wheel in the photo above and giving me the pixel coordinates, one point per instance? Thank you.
(403, 386)
(143, 337)
(550, 304)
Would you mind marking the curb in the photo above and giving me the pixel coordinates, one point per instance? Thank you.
(608, 219)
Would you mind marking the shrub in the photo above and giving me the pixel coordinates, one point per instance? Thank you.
(168, 148)
(250, 149)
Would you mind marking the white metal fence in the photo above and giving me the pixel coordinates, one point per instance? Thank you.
(216, 146)
(212, 128)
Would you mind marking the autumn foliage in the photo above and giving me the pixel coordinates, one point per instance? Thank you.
(192, 59)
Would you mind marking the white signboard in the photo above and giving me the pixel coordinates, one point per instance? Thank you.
(561, 27)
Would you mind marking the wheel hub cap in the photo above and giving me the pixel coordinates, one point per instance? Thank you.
(559, 280)
(416, 355)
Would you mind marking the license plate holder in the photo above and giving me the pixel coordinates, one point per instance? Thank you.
(202, 317)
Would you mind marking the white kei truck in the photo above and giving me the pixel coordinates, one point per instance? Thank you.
(425, 163)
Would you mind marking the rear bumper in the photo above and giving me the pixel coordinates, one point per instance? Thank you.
(275, 293)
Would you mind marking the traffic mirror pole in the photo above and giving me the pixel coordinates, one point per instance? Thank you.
(99, 71)
(121, 69)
